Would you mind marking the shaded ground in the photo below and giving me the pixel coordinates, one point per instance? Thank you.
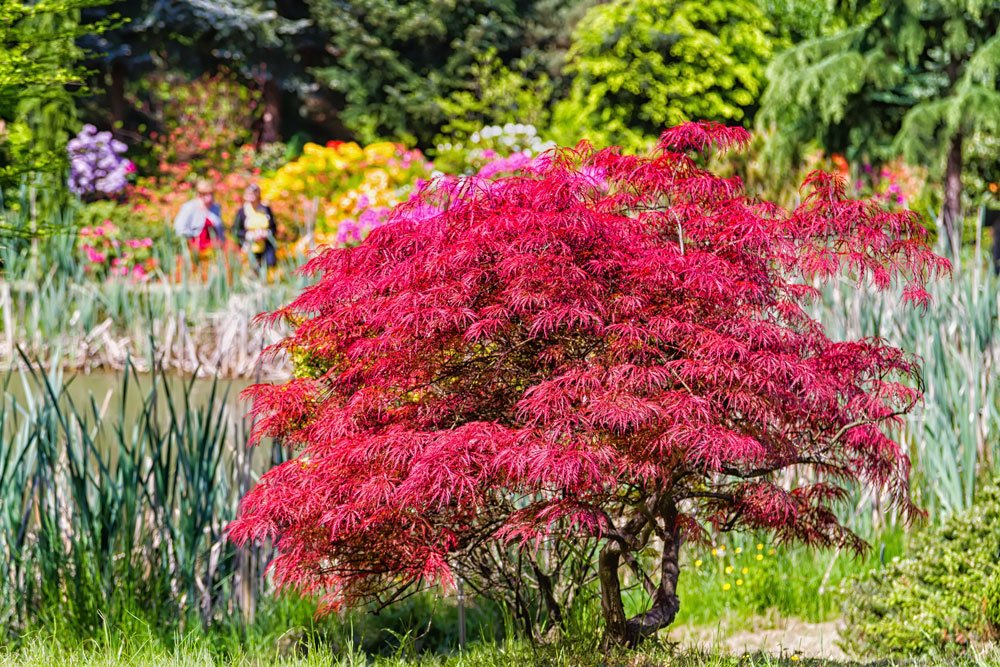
(777, 636)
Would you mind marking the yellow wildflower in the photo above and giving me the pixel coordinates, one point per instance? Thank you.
(745, 570)
(729, 569)
(739, 582)
(726, 587)
(697, 563)
(760, 556)
(760, 547)
(739, 550)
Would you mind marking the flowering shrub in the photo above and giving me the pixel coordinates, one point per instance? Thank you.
(356, 186)
(268, 158)
(612, 351)
(201, 123)
(203, 129)
(495, 148)
(895, 183)
(107, 253)
(96, 162)
(155, 200)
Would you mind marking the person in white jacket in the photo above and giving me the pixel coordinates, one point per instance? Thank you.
(200, 219)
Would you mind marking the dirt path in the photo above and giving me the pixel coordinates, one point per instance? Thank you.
(779, 637)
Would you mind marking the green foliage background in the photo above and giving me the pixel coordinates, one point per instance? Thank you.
(38, 60)
(944, 595)
(897, 77)
(639, 66)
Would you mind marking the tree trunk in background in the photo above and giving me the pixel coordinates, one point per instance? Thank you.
(951, 214)
(116, 95)
(271, 128)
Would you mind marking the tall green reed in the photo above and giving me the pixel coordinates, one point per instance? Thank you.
(953, 435)
(103, 518)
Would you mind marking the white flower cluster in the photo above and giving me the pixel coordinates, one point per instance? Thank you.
(514, 137)
(492, 143)
(509, 138)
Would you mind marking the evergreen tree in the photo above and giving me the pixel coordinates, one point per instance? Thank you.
(917, 78)
(394, 60)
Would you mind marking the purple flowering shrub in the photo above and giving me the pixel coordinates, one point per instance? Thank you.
(97, 164)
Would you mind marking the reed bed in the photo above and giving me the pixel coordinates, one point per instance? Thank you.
(203, 323)
(103, 517)
(953, 435)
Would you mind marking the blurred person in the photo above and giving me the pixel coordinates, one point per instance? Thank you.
(200, 219)
(256, 229)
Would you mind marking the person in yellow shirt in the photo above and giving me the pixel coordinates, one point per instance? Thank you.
(256, 229)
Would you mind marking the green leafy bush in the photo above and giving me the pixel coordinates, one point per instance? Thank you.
(639, 66)
(124, 217)
(495, 95)
(941, 598)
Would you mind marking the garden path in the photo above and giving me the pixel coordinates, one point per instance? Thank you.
(780, 637)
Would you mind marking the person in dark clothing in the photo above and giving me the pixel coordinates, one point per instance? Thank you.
(992, 219)
(256, 229)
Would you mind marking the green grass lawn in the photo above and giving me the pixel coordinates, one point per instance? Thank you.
(736, 588)
(193, 654)
(748, 578)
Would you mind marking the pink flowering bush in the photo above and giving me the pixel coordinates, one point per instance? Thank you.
(107, 254)
(894, 183)
(352, 231)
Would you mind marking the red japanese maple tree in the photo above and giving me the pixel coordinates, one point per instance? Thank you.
(605, 347)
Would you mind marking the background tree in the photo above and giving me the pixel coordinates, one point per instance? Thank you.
(38, 60)
(917, 78)
(607, 350)
(394, 59)
(268, 44)
(495, 94)
(38, 70)
(640, 65)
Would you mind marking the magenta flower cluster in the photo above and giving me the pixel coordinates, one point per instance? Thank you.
(109, 254)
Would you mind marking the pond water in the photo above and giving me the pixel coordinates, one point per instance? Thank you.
(114, 401)
(109, 388)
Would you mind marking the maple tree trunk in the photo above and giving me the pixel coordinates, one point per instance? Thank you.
(615, 625)
(619, 631)
(952, 212)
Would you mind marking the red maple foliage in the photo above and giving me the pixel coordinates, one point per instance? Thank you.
(605, 348)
